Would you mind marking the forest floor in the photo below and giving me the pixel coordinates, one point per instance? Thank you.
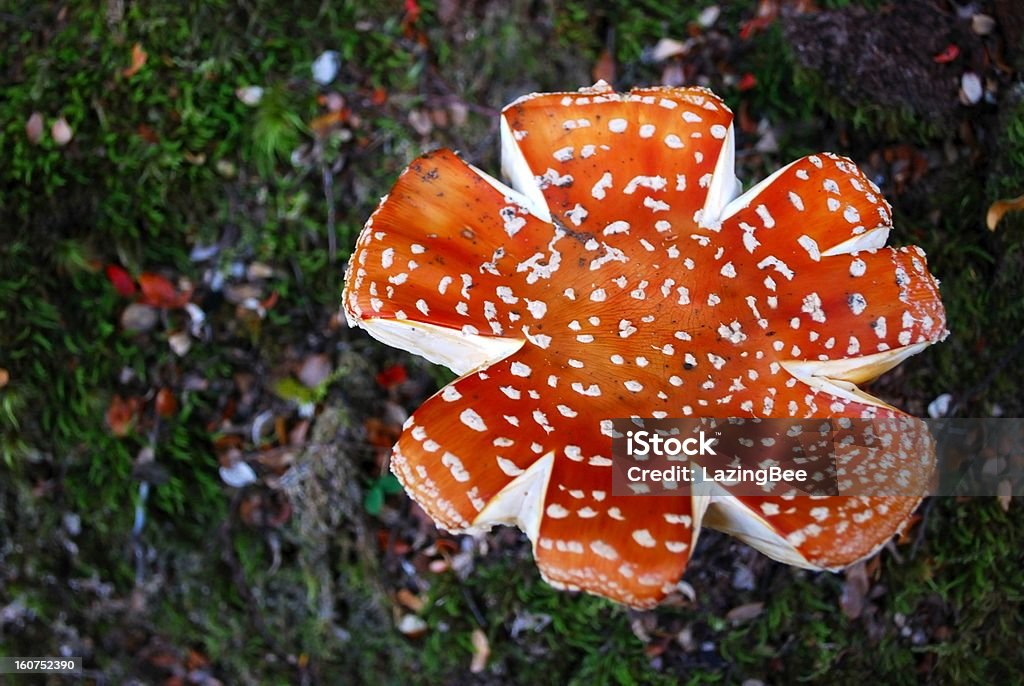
(194, 445)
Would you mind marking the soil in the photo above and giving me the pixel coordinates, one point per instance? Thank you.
(888, 58)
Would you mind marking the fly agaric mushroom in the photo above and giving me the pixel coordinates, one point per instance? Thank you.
(621, 276)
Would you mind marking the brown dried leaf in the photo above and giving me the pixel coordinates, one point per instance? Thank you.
(855, 588)
(1001, 207)
(139, 58)
(744, 613)
(166, 403)
(481, 651)
(314, 370)
(121, 415)
(409, 600)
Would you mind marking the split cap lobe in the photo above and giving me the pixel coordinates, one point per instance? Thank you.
(623, 277)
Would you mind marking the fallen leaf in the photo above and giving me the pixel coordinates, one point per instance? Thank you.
(409, 599)
(34, 128)
(747, 81)
(939, 407)
(1000, 207)
(481, 651)
(325, 123)
(180, 343)
(139, 58)
(61, 132)
(970, 88)
(744, 613)
(708, 16)
(238, 474)
(412, 626)
(138, 318)
(148, 134)
(949, 53)
(5, 377)
(767, 11)
(121, 415)
(166, 404)
(392, 376)
(314, 370)
(250, 95)
(412, 13)
(158, 292)
(668, 47)
(421, 122)
(982, 24)
(325, 67)
(121, 279)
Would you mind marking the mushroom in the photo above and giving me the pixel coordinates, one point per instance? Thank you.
(623, 275)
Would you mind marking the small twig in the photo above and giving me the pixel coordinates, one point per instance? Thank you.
(138, 548)
(328, 182)
(473, 608)
(921, 527)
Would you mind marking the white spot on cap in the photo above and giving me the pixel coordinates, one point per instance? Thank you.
(673, 142)
(811, 246)
(563, 154)
(599, 191)
(509, 467)
(616, 227)
(644, 538)
(454, 465)
(556, 511)
(857, 302)
(471, 419)
(520, 369)
(602, 549)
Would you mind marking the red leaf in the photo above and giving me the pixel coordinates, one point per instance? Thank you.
(121, 280)
(412, 11)
(121, 415)
(950, 53)
(166, 403)
(158, 292)
(139, 57)
(747, 81)
(392, 376)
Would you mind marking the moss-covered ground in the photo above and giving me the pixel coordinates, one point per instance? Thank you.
(121, 542)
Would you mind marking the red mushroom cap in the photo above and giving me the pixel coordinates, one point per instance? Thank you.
(623, 277)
